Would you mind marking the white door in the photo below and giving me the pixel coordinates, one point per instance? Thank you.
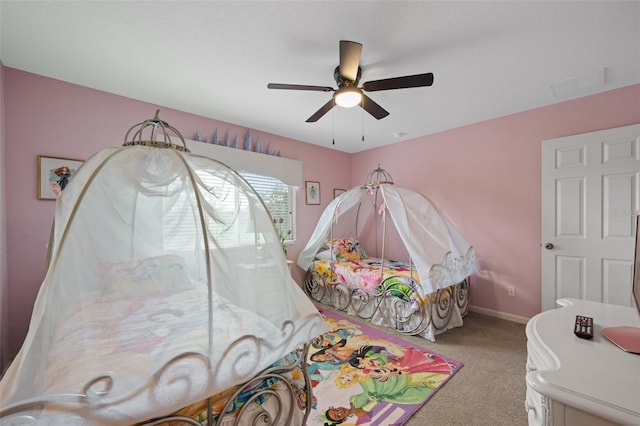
(590, 185)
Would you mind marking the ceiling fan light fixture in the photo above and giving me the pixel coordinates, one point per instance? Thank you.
(347, 76)
(348, 97)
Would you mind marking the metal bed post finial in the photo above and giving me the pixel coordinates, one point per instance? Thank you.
(378, 177)
(154, 124)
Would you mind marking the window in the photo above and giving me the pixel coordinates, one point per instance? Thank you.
(279, 199)
(232, 227)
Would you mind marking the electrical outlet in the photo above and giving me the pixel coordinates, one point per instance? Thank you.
(511, 291)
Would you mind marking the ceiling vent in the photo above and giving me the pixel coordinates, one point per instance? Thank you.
(579, 83)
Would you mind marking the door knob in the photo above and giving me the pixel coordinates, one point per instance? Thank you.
(548, 246)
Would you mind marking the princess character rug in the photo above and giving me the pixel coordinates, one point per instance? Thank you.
(363, 376)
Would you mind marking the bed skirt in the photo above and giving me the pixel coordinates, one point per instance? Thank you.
(401, 307)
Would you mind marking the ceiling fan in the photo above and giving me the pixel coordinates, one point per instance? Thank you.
(347, 76)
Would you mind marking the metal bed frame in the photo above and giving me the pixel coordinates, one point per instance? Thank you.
(283, 400)
(406, 311)
(405, 308)
(259, 389)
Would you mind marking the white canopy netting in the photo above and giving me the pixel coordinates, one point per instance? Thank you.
(440, 254)
(167, 283)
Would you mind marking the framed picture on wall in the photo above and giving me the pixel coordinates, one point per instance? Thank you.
(54, 173)
(312, 192)
(338, 191)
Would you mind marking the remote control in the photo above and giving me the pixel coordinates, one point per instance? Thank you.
(583, 327)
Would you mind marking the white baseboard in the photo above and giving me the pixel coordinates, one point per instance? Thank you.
(501, 315)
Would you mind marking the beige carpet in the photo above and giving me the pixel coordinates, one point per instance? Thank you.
(490, 388)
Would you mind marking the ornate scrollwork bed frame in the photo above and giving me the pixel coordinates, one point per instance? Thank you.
(276, 385)
(406, 310)
(288, 396)
(259, 389)
(398, 302)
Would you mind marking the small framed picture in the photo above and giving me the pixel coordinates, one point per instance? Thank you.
(54, 173)
(338, 191)
(312, 192)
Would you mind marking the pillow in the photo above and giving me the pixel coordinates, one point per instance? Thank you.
(324, 255)
(346, 249)
(153, 276)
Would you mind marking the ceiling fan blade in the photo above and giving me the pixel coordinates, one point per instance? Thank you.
(322, 111)
(373, 108)
(299, 87)
(417, 80)
(349, 59)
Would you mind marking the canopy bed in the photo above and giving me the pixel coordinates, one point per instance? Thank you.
(143, 317)
(424, 295)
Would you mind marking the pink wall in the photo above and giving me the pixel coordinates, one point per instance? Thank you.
(49, 117)
(4, 300)
(486, 178)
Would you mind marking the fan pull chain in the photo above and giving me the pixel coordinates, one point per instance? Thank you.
(363, 123)
(333, 120)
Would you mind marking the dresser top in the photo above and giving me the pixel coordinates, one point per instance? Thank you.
(593, 375)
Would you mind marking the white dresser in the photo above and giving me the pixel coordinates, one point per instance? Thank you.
(573, 381)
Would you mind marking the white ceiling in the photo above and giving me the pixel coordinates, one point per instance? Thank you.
(215, 58)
